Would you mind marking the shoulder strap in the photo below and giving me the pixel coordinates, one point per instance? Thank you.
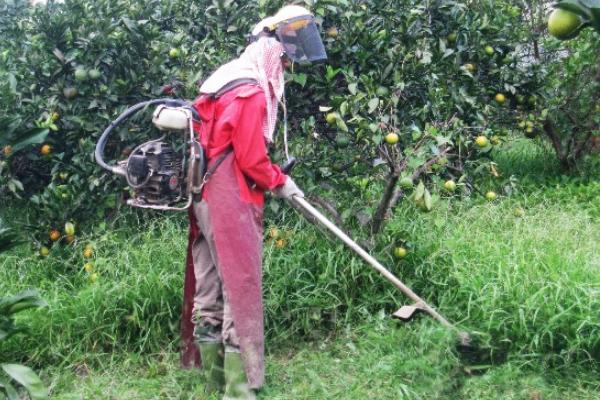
(232, 85)
(214, 167)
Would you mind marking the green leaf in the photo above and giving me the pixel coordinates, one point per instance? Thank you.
(595, 10)
(426, 57)
(22, 301)
(300, 79)
(34, 136)
(428, 202)
(344, 108)
(352, 88)
(12, 83)
(27, 378)
(129, 24)
(8, 390)
(8, 238)
(341, 124)
(373, 104)
(59, 54)
(331, 72)
(419, 191)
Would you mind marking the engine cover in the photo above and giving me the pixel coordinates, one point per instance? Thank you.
(155, 173)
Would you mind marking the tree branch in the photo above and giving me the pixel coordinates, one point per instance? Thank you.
(329, 208)
(384, 204)
(398, 194)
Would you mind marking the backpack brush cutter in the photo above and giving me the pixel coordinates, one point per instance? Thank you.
(162, 179)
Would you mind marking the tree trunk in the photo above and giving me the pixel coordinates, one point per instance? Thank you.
(384, 205)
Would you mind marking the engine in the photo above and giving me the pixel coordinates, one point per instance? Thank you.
(155, 173)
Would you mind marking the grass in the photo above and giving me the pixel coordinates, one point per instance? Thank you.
(379, 359)
(525, 285)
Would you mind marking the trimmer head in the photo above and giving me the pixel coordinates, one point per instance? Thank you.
(405, 313)
(464, 343)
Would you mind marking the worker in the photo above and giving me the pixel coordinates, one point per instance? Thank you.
(238, 107)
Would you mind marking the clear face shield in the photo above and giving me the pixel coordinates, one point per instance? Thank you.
(301, 40)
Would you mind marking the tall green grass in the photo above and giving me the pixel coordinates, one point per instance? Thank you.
(375, 359)
(528, 284)
(133, 306)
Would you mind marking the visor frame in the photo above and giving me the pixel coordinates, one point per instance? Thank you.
(318, 57)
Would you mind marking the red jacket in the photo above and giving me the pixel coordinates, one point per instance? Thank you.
(236, 118)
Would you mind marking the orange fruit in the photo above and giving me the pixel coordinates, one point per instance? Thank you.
(273, 233)
(54, 235)
(69, 228)
(562, 23)
(81, 74)
(94, 73)
(450, 185)
(392, 138)
(491, 196)
(470, 67)
(481, 141)
(88, 252)
(70, 92)
(400, 252)
(46, 149)
(331, 118)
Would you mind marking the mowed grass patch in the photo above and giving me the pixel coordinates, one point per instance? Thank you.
(380, 359)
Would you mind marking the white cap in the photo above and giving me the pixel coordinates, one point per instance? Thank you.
(265, 23)
(289, 12)
(284, 14)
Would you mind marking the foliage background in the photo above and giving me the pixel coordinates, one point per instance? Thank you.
(412, 82)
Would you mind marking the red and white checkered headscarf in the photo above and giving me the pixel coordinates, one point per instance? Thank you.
(260, 61)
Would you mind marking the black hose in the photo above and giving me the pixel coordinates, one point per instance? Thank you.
(99, 153)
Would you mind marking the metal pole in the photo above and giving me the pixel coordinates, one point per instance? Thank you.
(305, 205)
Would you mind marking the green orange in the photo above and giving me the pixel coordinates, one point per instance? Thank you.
(562, 24)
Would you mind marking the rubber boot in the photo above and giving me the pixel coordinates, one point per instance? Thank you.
(236, 383)
(212, 364)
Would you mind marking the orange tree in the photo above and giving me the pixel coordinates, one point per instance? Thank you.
(69, 69)
(569, 117)
(442, 80)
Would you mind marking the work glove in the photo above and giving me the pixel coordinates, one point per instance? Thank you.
(288, 189)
